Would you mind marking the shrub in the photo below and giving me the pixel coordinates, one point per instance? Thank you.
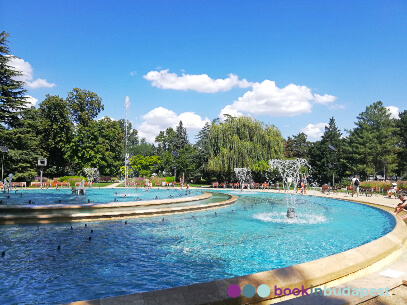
(169, 179)
(400, 183)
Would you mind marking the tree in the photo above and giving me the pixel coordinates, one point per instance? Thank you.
(84, 106)
(242, 142)
(165, 141)
(24, 148)
(55, 132)
(181, 138)
(97, 145)
(143, 166)
(323, 160)
(202, 151)
(401, 124)
(372, 143)
(12, 93)
(297, 146)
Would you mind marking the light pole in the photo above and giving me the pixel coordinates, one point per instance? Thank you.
(41, 163)
(4, 150)
(175, 154)
(333, 164)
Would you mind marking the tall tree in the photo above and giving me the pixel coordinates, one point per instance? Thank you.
(373, 142)
(297, 146)
(202, 151)
(97, 145)
(12, 93)
(401, 124)
(242, 142)
(181, 138)
(55, 132)
(324, 160)
(84, 106)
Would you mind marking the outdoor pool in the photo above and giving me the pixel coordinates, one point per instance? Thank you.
(147, 254)
(95, 195)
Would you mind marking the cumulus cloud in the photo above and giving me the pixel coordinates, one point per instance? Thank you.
(201, 83)
(230, 111)
(267, 98)
(314, 131)
(161, 118)
(25, 68)
(324, 99)
(394, 112)
(32, 101)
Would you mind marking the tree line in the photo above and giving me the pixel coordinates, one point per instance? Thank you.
(66, 132)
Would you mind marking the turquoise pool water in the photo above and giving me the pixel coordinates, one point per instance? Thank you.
(147, 254)
(97, 195)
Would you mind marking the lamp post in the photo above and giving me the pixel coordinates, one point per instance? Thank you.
(4, 150)
(333, 164)
(41, 163)
(175, 154)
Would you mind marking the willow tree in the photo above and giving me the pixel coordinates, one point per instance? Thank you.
(243, 142)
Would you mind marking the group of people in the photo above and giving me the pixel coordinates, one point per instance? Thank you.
(402, 206)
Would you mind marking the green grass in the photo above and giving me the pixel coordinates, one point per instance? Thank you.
(101, 184)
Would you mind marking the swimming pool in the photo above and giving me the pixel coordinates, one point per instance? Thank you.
(147, 254)
(94, 195)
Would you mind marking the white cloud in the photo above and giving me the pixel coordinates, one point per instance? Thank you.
(161, 118)
(324, 99)
(27, 74)
(32, 101)
(336, 106)
(314, 131)
(201, 83)
(394, 112)
(132, 73)
(229, 110)
(267, 98)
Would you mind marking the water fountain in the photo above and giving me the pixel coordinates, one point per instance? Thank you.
(126, 154)
(92, 174)
(81, 191)
(290, 172)
(243, 175)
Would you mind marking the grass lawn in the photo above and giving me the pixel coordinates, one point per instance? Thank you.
(101, 184)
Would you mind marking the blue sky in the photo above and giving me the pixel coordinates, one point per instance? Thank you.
(287, 63)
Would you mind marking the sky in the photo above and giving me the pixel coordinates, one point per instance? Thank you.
(293, 64)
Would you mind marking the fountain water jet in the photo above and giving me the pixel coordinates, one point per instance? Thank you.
(244, 175)
(290, 172)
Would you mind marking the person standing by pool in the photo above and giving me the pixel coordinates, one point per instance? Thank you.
(355, 185)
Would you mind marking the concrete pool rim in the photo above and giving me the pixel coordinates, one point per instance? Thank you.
(155, 210)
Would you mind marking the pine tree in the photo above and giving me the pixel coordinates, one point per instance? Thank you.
(181, 137)
(373, 142)
(12, 99)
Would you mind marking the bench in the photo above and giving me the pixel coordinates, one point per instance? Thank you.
(366, 190)
(325, 189)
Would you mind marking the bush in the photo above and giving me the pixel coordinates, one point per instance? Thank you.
(71, 179)
(169, 179)
(400, 183)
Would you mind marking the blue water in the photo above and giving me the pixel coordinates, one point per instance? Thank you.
(96, 195)
(249, 236)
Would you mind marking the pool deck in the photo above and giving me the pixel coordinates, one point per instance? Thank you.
(361, 267)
